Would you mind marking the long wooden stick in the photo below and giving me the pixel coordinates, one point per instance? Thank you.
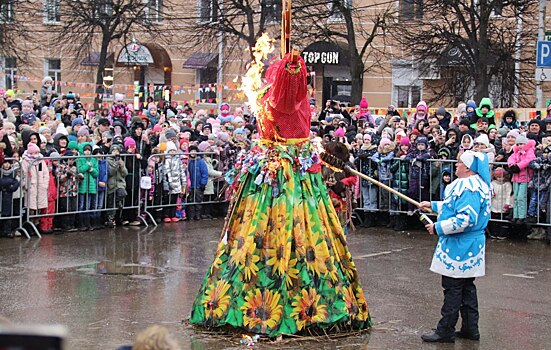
(382, 185)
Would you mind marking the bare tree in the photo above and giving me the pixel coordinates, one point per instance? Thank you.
(342, 21)
(12, 38)
(103, 24)
(241, 22)
(480, 48)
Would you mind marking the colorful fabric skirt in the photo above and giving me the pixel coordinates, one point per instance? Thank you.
(284, 266)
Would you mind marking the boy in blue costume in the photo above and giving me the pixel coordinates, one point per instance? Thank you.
(460, 256)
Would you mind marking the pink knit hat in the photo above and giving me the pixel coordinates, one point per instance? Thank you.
(203, 146)
(157, 128)
(129, 142)
(363, 103)
(339, 133)
(151, 106)
(384, 142)
(32, 148)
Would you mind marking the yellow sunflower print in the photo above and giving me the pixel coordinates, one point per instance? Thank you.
(307, 309)
(316, 255)
(262, 308)
(216, 301)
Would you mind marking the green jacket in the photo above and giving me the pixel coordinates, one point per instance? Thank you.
(89, 168)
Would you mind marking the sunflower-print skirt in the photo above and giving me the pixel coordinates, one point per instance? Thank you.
(285, 268)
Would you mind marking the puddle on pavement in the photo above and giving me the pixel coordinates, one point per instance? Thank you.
(140, 271)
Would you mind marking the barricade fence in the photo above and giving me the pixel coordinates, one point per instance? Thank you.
(90, 191)
(426, 181)
(86, 192)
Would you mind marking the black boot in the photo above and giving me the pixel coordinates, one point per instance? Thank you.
(435, 338)
(368, 221)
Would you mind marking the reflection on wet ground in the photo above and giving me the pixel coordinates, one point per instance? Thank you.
(107, 285)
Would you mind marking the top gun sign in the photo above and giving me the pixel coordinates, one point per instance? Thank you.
(324, 53)
(321, 57)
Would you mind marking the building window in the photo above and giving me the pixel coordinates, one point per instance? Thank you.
(272, 10)
(10, 71)
(7, 11)
(207, 79)
(52, 11)
(208, 10)
(407, 96)
(335, 13)
(154, 11)
(53, 69)
(411, 9)
(104, 9)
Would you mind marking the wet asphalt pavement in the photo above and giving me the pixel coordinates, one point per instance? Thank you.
(107, 285)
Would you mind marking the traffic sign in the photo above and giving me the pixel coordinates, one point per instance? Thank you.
(543, 54)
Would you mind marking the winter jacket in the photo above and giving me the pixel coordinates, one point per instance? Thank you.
(67, 180)
(522, 156)
(383, 165)
(419, 166)
(541, 179)
(502, 195)
(174, 177)
(8, 185)
(119, 113)
(89, 168)
(365, 164)
(36, 178)
(103, 174)
(400, 182)
(117, 175)
(209, 189)
(198, 173)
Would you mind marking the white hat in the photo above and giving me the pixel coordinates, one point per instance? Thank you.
(170, 146)
(483, 139)
(119, 97)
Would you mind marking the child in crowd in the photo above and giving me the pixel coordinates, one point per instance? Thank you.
(37, 175)
(539, 185)
(103, 174)
(510, 120)
(67, 181)
(523, 154)
(467, 143)
(47, 222)
(501, 204)
(419, 172)
(383, 158)
(368, 189)
(199, 176)
(400, 182)
(116, 185)
(88, 170)
(133, 162)
(174, 181)
(8, 185)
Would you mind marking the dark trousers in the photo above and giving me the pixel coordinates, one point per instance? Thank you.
(459, 297)
(195, 196)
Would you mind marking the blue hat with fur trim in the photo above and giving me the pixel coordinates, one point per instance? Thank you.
(477, 162)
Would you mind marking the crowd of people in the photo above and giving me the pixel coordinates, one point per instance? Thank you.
(59, 157)
(416, 155)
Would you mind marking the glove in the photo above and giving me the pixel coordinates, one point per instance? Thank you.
(514, 169)
(202, 188)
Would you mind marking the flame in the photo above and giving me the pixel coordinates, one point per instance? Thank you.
(251, 83)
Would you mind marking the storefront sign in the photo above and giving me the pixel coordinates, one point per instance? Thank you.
(331, 57)
(135, 54)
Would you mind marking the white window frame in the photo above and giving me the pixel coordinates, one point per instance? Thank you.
(7, 11)
(52, 7)
(104, 9)
(213, 15)
(153, 11)
(204, 85)
(273, 11)
(54, 73)
(336, 15)
(9, 73)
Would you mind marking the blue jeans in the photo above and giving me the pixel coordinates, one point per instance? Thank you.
(369, 196)
(537, 203)
(86, 202)
(99, 203)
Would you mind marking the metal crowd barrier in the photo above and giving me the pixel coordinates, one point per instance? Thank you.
(430, 191)
(11, 203)
(49, 194)
(160, 203)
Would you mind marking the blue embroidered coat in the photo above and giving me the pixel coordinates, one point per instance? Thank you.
(462, 218)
